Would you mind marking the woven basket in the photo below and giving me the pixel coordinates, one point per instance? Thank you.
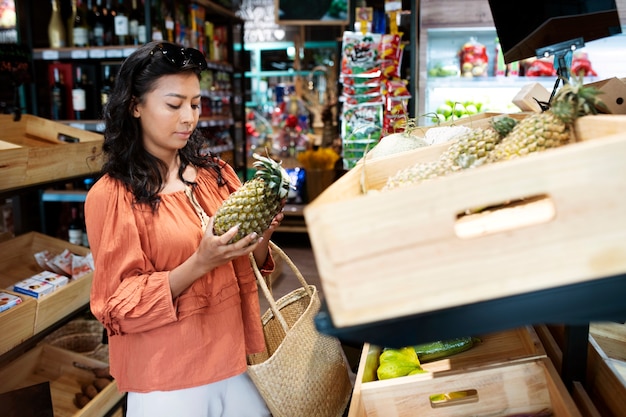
(81, 336)
(302, 373)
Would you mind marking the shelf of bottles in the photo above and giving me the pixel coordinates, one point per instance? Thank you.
(88, 39)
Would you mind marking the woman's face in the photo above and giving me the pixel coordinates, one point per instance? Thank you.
(169, 113)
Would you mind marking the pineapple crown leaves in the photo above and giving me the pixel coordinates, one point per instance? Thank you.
(273, 174)
(503, 125)
(575, 100)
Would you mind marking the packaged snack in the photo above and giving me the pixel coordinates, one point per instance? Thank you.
(62, 263)
(8, 300)
(33, 287)
(359, 51)
(42, 258)
(55, 279)
(81, 265)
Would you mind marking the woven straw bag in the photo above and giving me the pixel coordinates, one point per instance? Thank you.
(302, 373)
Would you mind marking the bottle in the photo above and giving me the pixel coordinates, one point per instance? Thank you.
(107, 85)
(70, 24)
(134, 21)
(108, 16)
(79, 96)
(57, 97)
(56, 29)
(80, 32)
(75, 228)
(98, 27)
(120, 23)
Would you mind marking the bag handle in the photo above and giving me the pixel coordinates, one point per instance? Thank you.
(266, 291)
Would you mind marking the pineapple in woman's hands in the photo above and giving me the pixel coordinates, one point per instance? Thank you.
(255, 204)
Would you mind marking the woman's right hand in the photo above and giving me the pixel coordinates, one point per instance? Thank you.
(216, 250)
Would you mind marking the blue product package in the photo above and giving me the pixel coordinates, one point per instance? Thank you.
(296, 192)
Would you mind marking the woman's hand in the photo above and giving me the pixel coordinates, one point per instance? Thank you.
(217, 250)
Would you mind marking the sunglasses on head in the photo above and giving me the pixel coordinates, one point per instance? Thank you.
(180, 56)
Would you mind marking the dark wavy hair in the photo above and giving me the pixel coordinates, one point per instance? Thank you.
(126, 159)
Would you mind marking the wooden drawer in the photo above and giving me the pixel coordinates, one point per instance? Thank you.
(46, 363)
(31, 152)
(507, 371)
(17, 262)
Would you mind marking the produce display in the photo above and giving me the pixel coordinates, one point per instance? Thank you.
(452, 110)
(473, 59)
(255, 203)
(506, 139)
(399, 362)
(102, 378)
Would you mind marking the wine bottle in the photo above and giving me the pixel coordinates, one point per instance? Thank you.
(107, 85)
(98, 27)
(69, 25)
(79, 96)
(120, 23)
(56, 29)
(80, 32)
(75, 228)
(137, 25)
(57, 97)
(108, 16)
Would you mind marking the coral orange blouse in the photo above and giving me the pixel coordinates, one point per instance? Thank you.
(156, 342)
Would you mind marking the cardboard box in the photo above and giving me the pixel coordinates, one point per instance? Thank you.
(33, 287)
(613, 94)
(560, 219)
(46, 363)
(17, 262)
(34, 150)
(8, 300)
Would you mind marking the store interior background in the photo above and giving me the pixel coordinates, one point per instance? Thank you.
(276, 68)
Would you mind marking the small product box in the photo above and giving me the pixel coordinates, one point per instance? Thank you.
(33, 287)
(8, 300)
(56, 280)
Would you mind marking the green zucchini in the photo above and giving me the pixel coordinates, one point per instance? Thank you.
(428, 352)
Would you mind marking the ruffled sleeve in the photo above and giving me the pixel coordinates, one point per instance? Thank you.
(127, 294)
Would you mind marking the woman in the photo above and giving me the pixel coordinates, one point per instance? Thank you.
(180, 304)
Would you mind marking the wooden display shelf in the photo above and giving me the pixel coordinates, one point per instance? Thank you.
(34, 150)
(434, 257)
(33, 316)
(46, 363)
(508, 372)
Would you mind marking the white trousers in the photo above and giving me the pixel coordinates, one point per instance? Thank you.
(232, 397)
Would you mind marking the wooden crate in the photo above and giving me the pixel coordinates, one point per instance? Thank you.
(523, 381)
(17, 323)
(606, 369)
(17, 262)
(31, 153)
(55, 365)
(384, 255)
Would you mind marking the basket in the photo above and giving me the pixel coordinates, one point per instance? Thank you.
(81, 336)
(302, 372)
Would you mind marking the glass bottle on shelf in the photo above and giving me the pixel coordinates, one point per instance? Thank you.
(56, 29)
(79, 96)
(107, 85)
(108, 16)
(80, 30)
(57, 97)
(75, 228)
(70, 24)
(120, 23)
(137, 24)
(98, 26)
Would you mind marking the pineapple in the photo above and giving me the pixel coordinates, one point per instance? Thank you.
(255, 203)
(552, 128)
(468, 150)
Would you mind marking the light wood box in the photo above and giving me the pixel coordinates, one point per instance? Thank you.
(17, 323)
(30, 152)
(606, 368)
(17, 262)
(55, 365)
(384, 255)
(508, 370)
